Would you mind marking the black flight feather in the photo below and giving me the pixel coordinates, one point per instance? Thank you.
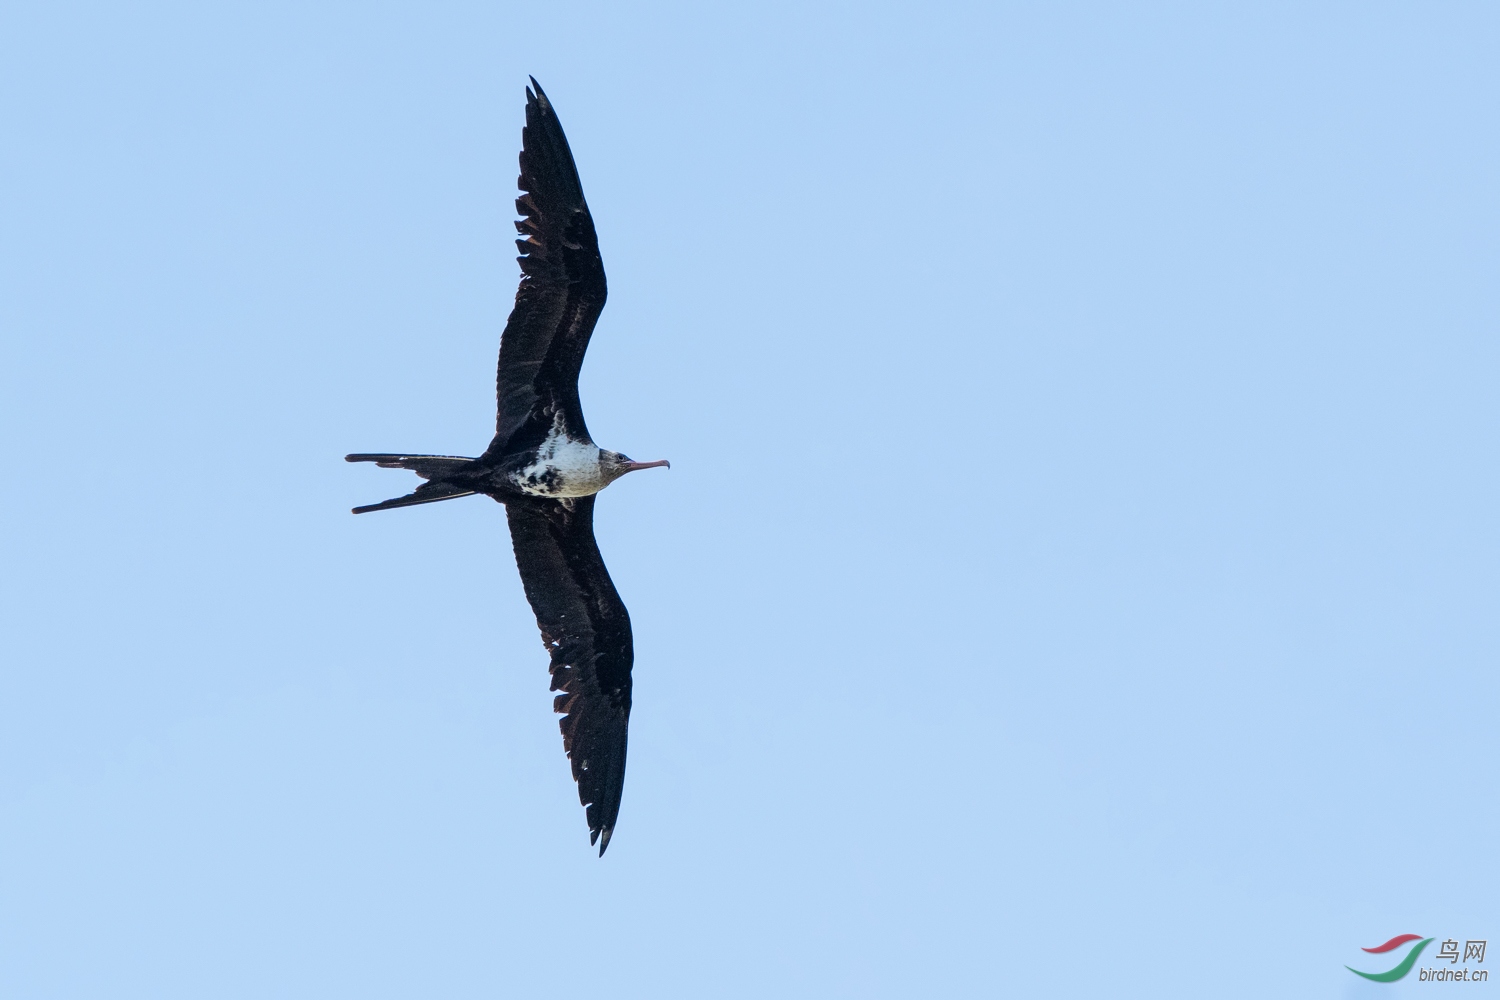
(561, 294)
(586, 630)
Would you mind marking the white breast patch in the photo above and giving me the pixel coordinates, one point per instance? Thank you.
(563, 467)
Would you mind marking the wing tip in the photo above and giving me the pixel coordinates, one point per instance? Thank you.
(536, 95)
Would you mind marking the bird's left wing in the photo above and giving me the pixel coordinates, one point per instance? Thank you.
(586, 629)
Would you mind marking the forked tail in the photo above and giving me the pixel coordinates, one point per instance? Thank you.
(431, 467)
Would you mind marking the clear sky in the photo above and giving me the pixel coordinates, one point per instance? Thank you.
(1077, 575)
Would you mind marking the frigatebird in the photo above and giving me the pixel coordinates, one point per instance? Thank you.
(543, 466)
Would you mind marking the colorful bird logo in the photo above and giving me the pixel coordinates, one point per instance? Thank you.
(1403, 967)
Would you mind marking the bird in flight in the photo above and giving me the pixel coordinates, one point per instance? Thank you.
(543, 466)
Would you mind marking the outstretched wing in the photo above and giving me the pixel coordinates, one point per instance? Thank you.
(586, 629)
(561, 294)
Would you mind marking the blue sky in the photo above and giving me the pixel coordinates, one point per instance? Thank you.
(1076, 576)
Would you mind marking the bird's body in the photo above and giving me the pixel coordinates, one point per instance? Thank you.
(545, 468)
(561, 466)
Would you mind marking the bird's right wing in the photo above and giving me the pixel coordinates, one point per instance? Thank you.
(586, 629)
(561, 294)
